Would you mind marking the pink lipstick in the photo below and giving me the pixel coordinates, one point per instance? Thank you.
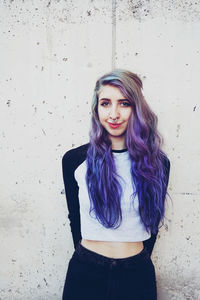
(112, 125)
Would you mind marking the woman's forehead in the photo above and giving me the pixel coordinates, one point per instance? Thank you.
(110, 91)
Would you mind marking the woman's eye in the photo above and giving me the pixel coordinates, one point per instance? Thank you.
(125, 104)
(104, 103)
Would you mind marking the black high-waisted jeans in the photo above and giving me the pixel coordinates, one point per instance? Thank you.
(92, 276)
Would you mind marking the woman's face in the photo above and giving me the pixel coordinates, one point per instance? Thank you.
(114, 111)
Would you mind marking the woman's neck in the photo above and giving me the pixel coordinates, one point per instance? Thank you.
(118, 143)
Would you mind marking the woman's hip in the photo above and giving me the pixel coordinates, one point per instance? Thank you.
(109, 278)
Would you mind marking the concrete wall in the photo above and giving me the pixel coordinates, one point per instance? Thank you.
(51, 53)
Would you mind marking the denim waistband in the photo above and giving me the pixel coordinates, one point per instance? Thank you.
(86, 255)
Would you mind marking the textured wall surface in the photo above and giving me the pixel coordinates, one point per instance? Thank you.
(51, 55)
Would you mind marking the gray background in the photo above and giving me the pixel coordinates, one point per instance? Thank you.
(51, 53)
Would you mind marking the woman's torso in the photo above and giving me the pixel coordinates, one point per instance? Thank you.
(113, 249)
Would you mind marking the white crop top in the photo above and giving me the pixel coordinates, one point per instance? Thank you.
(131, 228)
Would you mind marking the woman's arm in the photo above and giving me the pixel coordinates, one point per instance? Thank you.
(71, 192)
(149, 244)
(70, 162)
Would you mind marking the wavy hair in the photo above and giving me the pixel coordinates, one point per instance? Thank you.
(149, 164)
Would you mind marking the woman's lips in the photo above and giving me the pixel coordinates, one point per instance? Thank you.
(112, 125)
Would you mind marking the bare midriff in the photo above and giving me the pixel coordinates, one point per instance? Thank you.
(113, 249)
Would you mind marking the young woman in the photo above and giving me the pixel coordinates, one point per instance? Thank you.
(116, 187)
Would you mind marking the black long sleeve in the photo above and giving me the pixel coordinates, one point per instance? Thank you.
(71, 191)
(70, 161)
(149, 244)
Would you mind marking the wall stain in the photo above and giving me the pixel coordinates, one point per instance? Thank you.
(8, 103)
(43, 131)
(187, 11)
(178, 130)
(89, 12)
(62, 192)
(45, 281)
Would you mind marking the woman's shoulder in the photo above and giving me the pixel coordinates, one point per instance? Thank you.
(75, 155)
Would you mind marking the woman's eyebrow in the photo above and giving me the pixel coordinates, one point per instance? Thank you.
(124, 99)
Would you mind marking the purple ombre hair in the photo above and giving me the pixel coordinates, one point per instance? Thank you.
(149, 164)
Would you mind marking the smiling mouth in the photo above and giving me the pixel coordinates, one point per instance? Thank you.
(114, 125)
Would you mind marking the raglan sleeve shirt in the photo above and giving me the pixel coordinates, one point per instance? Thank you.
(70, 162)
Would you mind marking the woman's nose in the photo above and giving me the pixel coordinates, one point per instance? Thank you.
(114, 112)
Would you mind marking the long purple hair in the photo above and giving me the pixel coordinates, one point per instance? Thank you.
(149, 164)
